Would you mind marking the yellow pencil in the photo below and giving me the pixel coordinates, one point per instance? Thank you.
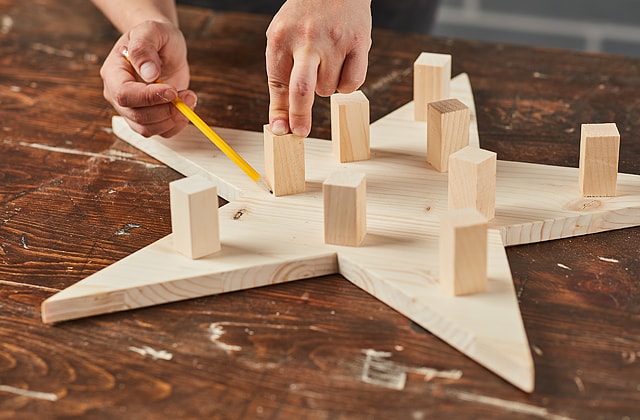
(215, 138)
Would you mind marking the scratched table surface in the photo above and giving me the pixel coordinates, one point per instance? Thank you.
(74, 199)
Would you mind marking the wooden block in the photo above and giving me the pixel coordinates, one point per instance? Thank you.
(345, 208)
(463, 252)
(431, 79)
(472, 181)
(350, 126)
(194, 216)
(447, 131)
(599, 153)
(284, 163)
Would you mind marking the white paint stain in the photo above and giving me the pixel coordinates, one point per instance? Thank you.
(611, 260)
(512, 406)
(563, 266)
(47, 49)
(111, 155)
(217, 330)
(47, 396)
(6, 24)
(126, 228)
(378, 370)
(153, 353)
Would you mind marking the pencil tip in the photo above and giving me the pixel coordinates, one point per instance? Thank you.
(261, 182)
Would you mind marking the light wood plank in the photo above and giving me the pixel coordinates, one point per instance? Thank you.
(463, 252)
(472, 181)
(284, 163)
(267, 239)
(194, 216)
(345, 208)
(447, 131)
(431, 81)
(350, 126)
(599, 155)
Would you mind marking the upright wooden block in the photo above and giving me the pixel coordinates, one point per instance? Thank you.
(463, 252)
(345, 208)
(447, 131)
(599, 154)
(431, 79)
(284, 163)
(472, 181)
(194, 216)
(350, 126)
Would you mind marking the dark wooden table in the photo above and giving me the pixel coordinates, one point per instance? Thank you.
(74, 199)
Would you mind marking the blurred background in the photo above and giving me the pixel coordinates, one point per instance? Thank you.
(611, 26)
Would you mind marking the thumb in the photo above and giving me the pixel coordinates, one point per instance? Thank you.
(145, 62)
(142, 51)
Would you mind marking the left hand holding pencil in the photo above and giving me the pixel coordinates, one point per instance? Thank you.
(155, 49)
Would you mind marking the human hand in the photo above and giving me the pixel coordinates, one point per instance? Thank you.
(314, 46)
(155, 50)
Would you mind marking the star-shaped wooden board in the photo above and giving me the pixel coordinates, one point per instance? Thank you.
(267, 240)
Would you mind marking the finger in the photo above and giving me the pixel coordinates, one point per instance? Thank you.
(302, 86)
(328, 75)
(279, 66)
(354, 71)
(142, 49)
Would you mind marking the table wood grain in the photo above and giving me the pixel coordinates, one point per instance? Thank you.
(74, 199)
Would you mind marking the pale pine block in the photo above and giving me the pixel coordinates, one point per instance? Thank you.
(350, 126)
(194, 216)
(284, 163)
(447, 131)
(431, 80)
(463, 252)
(345, 208)
(599, 154)
(472, 181)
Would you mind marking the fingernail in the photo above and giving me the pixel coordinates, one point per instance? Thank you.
(279, 128)
(168, 95)
(191, 99)
(300, 132)
(149, 72)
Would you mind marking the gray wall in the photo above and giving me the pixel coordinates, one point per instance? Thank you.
(611, 26)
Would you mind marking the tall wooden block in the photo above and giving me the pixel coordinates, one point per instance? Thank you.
(463, 252)
(284, 163)
(599, 154)
(472, 181)
(350, 126)
(447, 131)
(194, 216)
(345, 208)
(431, 79)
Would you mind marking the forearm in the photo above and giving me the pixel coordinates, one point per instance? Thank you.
(125, 14)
